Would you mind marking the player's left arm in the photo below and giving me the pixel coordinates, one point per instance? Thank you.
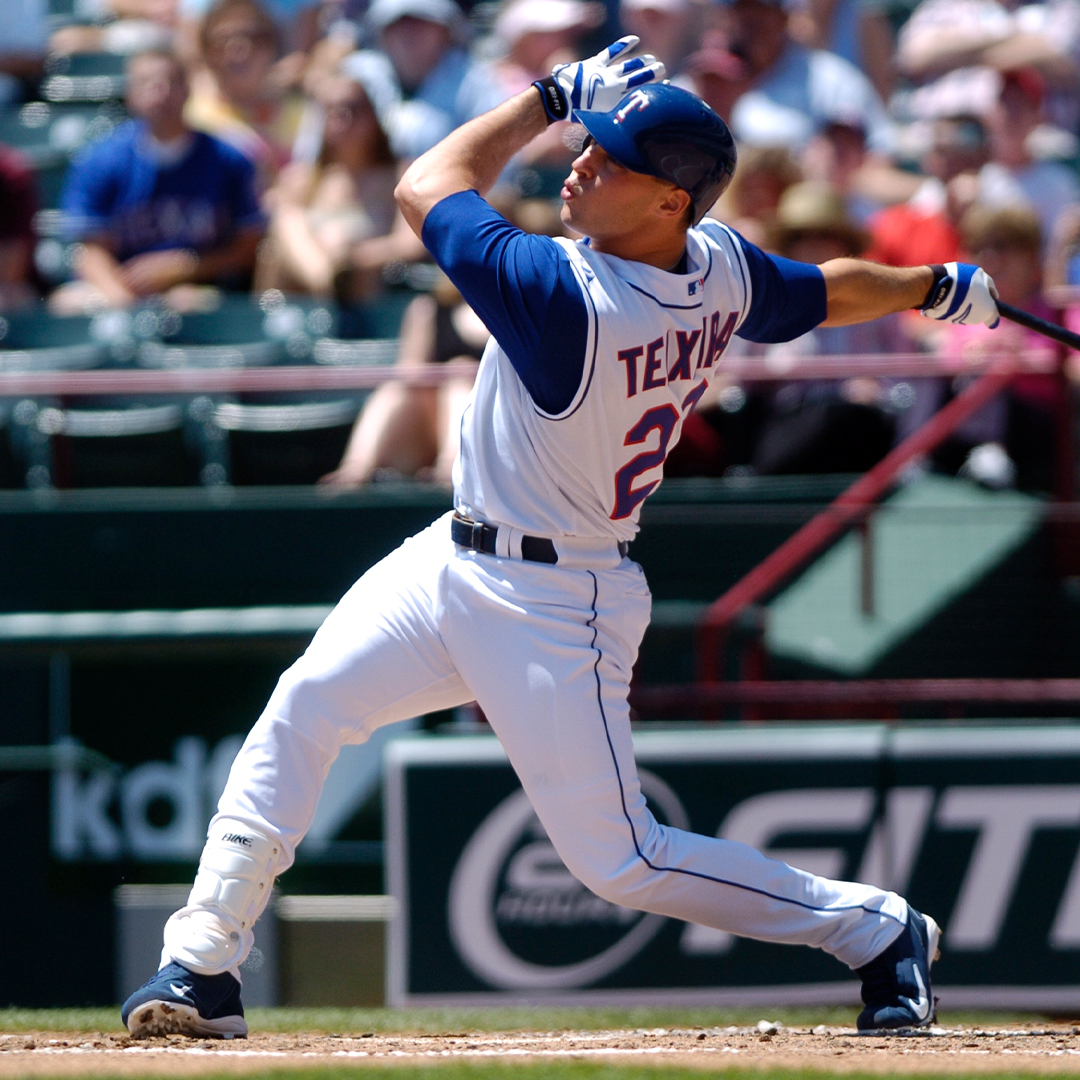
(471, 157)
(857, 291)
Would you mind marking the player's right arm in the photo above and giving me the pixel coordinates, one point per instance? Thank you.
(859, 291)
(789, 298)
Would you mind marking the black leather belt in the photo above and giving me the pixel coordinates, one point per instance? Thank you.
(480, 536)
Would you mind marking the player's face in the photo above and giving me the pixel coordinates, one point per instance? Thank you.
(604, 200)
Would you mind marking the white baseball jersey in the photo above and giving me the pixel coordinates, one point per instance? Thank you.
(655, 339)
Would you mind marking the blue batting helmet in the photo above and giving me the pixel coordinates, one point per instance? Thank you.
(669, 133)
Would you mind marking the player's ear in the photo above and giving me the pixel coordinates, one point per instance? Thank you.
(674, 203)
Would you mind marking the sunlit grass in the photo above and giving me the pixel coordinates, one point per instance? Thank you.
(446, 1021)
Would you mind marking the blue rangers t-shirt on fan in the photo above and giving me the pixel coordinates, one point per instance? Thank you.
(146, 196)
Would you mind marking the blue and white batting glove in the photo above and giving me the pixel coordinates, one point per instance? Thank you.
(600, 82)
(963, 294)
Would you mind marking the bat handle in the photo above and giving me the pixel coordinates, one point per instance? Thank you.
(1040, 326)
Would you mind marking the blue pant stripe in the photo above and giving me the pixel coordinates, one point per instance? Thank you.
(622, 796)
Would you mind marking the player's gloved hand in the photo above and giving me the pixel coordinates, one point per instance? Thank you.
(962, 294)
(600, 82)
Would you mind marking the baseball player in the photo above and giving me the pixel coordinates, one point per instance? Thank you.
(523, 597)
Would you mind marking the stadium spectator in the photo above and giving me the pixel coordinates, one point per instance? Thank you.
(156, 205)
(320, 212)
(925, 228)
(236, 97)
(535, 35)
(1012, 177)
(1009, 440)
(856, 30)
(412, 431)
(532, 37)
(24, 36)
(669, 29)
(298, 23)
(421, 80)
(17, 206)
(826, 426)
(776, 92)
(943, 35)
(836, 154)
(750, 202)
(1061, 265)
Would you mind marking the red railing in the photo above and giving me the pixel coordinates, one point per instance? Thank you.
(254, 380)
(240, 380)
(858, 698)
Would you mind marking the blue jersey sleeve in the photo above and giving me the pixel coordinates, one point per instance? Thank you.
(787, 298)
(522, 287)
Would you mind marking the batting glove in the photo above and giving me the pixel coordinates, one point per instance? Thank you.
(962, 294)
(600, 82)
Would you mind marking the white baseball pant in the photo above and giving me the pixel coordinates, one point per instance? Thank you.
(547, 652)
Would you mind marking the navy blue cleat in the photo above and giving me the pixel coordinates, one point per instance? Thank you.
(179, 1002)
(896, 984)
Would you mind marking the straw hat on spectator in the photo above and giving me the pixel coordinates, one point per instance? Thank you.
(815, 207)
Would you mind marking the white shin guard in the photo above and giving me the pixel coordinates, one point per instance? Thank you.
(213, 932)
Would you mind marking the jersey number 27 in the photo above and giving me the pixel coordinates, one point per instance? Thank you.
(662, 418)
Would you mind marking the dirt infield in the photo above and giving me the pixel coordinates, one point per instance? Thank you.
(1050, 1048)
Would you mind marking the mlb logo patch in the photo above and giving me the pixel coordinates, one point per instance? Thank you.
(694, 287)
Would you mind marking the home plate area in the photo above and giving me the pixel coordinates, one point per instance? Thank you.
(1048, 1047)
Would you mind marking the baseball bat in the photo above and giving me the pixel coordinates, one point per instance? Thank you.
(1040, 326)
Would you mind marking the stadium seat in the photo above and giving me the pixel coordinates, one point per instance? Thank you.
(285, 443)
(84, 77)
(62, 12)
(336, 352)
(34, 340)
(10, 469)
(131, 446)
(376, 318)
(39, 127)
(241, 332)
(50, 183)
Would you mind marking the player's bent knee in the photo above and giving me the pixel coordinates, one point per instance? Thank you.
(614, 875)
(618, 865)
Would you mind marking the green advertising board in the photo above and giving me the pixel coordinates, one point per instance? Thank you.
(977, 825)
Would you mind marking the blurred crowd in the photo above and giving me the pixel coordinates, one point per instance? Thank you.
(264, 139)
